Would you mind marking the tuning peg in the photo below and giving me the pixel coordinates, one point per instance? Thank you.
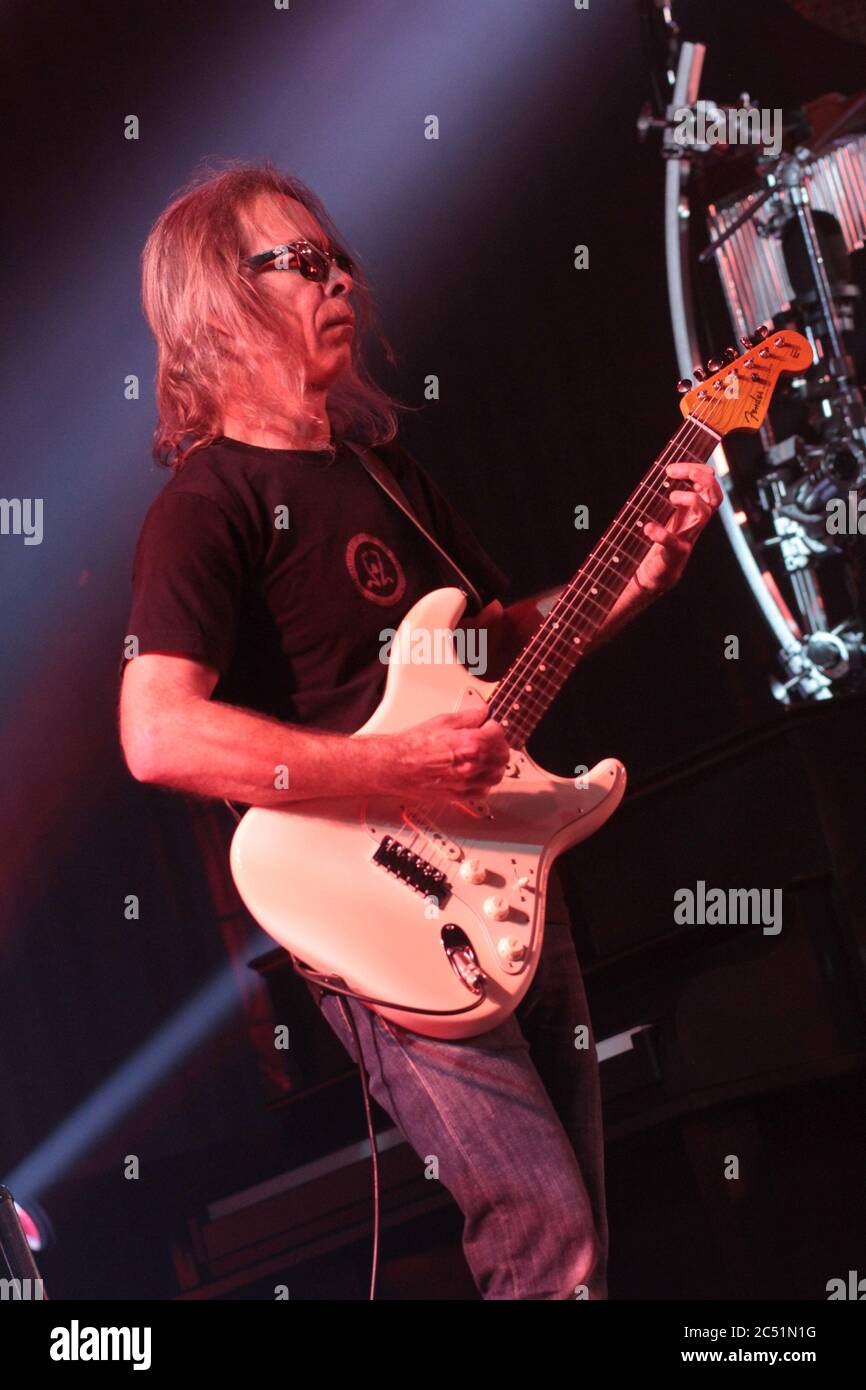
(684, 386)
(714, 364)
(699, 374)
(761, 332)
(729, 354)
(746, 341)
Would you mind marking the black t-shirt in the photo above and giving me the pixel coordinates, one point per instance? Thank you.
(281, 569)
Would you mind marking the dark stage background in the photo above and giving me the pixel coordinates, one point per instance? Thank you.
(130, 1037)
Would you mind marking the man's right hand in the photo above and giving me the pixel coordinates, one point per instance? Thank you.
(453, 754)
(174, 734)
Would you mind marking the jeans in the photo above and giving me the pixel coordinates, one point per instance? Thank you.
(514, 1119)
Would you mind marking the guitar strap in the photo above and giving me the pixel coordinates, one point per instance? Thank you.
(388, 483)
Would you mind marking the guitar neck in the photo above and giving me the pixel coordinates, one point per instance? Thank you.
(536, 676)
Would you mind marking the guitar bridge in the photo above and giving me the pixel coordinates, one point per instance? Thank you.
(412, 869)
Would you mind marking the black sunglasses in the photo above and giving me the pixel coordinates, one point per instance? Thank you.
(303, 256)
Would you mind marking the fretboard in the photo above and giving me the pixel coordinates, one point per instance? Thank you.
(536, 676)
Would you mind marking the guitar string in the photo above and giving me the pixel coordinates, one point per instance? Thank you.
(585, 584)
(437, 854)
(535, 653)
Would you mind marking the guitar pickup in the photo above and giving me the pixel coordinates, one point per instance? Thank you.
(412, 869)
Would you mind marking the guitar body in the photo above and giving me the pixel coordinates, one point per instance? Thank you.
(435, 914)
(437, 908)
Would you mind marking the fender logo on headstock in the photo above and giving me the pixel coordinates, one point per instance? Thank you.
(737, 393)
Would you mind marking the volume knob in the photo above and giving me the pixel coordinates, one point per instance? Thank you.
(473, 871)
(511, 949)
(497, 908)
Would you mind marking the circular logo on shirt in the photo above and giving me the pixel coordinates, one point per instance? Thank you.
(376, 572)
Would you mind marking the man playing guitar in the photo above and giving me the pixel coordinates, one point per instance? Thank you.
(264, 575)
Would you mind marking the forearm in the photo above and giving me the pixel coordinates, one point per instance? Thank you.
(521, 619)
(216, 750)
(632, 601)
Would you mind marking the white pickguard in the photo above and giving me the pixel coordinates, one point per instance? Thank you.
(306, 872)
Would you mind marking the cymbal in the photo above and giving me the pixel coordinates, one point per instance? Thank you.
(846, 18)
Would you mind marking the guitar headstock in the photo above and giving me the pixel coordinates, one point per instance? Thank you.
(734, 392)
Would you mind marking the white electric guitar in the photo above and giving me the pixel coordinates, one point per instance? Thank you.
(433, 913)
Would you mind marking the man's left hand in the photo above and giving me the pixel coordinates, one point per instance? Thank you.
(663, 565)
